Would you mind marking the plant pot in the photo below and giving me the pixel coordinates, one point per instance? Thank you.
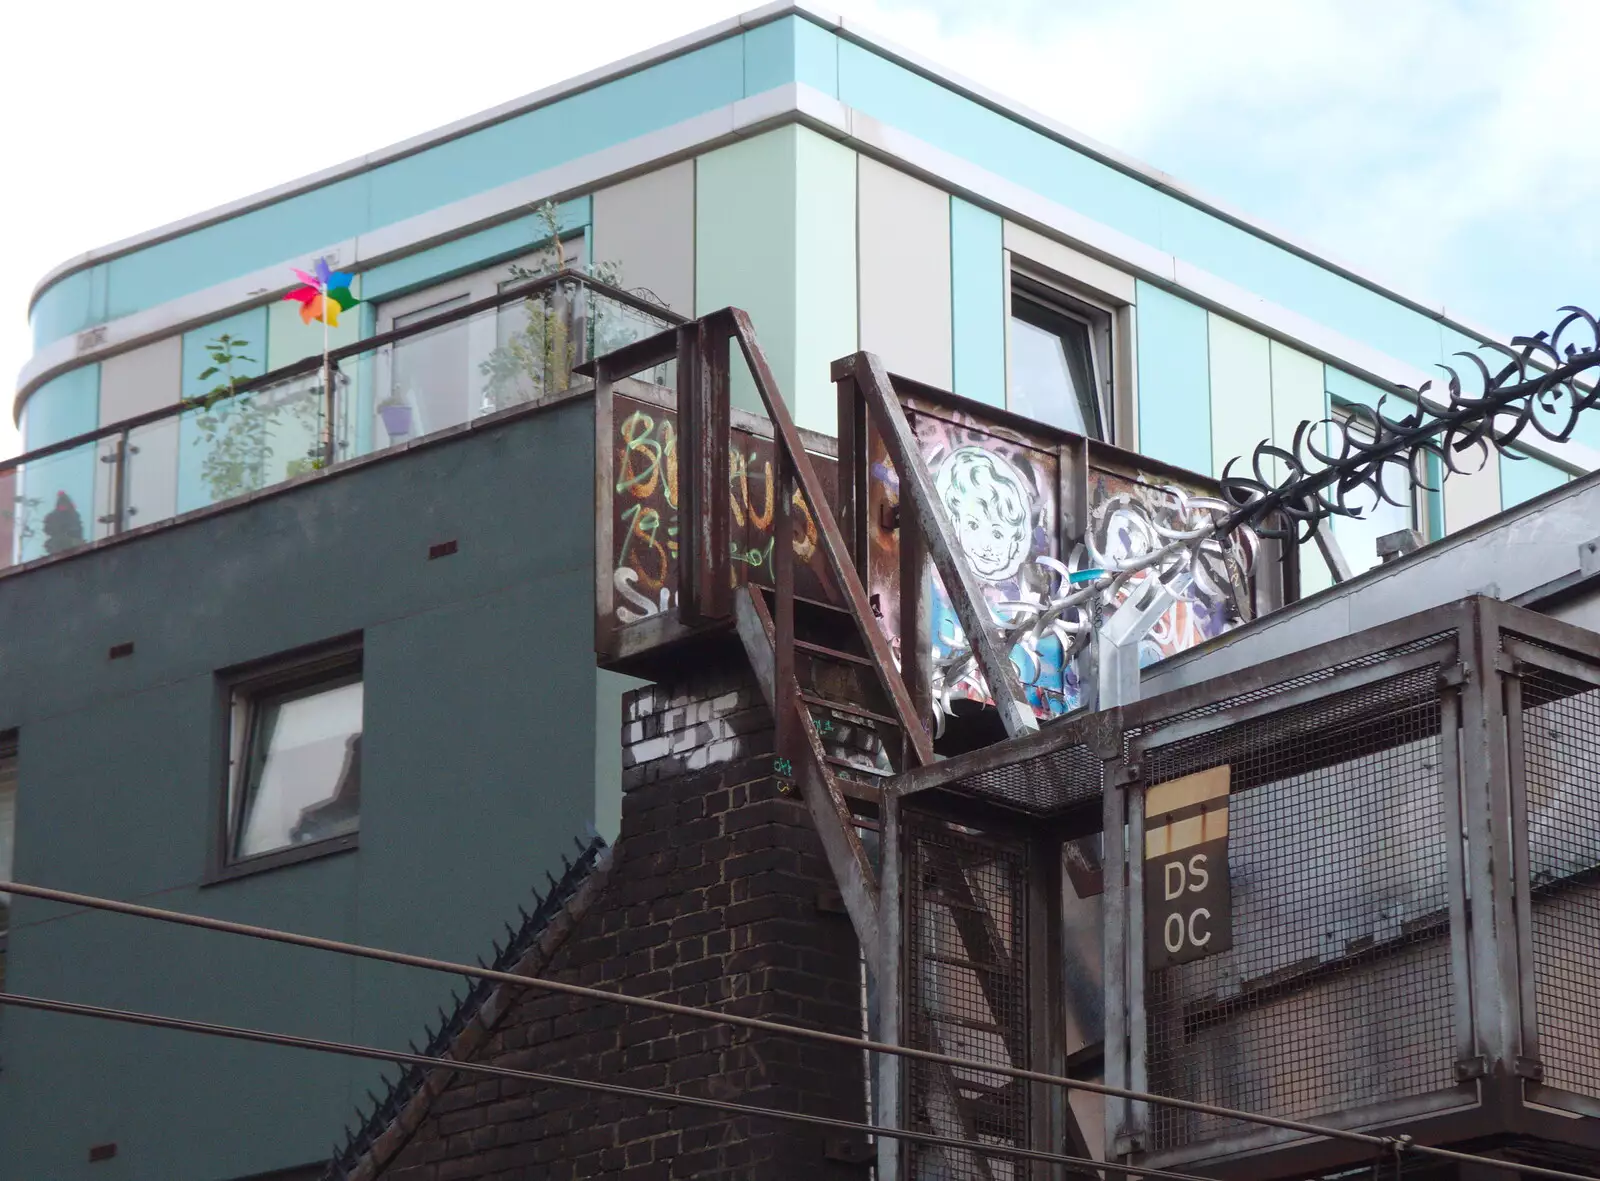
(396, 419)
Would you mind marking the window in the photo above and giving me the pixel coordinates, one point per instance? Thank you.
(8, 833)
(1060, 359)
(294, 761)
(1358, 536)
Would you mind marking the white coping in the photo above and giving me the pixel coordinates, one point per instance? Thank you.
(792, 102)
(765, 14)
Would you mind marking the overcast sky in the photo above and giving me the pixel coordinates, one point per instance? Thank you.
(1445, 145)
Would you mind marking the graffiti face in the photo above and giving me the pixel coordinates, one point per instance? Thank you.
(989, 506)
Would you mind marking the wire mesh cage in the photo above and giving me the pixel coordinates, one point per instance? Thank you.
(966, 990)
(1560, 740)
(1336, 990)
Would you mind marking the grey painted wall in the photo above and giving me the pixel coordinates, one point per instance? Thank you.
(479, 761)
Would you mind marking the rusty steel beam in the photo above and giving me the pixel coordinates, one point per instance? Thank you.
(965, 597)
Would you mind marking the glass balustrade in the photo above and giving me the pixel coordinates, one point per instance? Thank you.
(425, 377)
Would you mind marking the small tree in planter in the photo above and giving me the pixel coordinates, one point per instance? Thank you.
(537, 358)
(236, 430)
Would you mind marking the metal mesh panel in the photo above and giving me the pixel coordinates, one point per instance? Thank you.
(966, 994)
(1046, 783)
(1561, 753)
(1336, 992)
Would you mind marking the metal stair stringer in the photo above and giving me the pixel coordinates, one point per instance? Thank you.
(858, 883)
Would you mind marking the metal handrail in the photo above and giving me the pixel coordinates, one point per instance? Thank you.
(313, 363)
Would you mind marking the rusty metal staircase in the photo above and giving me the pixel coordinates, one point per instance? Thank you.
(847, 714)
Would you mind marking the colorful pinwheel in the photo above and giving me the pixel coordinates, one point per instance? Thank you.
(325, 294)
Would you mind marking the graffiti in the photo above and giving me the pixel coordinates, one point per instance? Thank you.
(1136, 542)
(645, 499)
(999, 489)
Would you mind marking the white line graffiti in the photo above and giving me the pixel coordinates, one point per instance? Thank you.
(1133, 544)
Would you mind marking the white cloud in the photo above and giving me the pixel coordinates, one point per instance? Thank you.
(1442, 143)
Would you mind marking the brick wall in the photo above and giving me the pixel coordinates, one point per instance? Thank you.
(717, 895)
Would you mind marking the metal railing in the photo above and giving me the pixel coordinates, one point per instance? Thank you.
(518, 346)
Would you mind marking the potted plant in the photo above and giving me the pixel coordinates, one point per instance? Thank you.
(396, 414)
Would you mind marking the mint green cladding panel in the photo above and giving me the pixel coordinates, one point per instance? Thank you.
(1174, 379)
(977, 303)
(1523, 479)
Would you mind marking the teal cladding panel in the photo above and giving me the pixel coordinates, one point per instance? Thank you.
(194, 491)
(977, 303)
(906, 100)
(612, 113)
(1241, 393)
(790, 50)
(469, 253)
(929, 111)
(62, 407)
(71, 305)
(1174, 379)
(745, 247)
(1347, 388)
(1526, 478)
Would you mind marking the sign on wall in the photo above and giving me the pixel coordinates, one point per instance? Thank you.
(1188, 901)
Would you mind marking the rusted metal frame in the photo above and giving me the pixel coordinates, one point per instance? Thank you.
(946, 1077)
(1522, 652)
(1483, 768)
(1528, 1058)
(891, 982)
(1079, 729)
(1455, 872)
(1544, 629)
(1270, 1154)
(851, 507)
(1156, 734)
(1116, 934)
(1138, 1023)
(605, 592)
(965, 597)
(1328, 547)
(833, 543)
(1072, 525)
(786, 690)
(975, 925)
(703, 508)
(830, 812)
(916, 621)
(1053, 1121)
(1268, 673)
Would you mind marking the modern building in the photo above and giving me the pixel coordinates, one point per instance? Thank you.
(297, 621)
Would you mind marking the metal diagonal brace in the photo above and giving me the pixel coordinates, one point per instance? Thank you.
(1118, 641)
(965, 595)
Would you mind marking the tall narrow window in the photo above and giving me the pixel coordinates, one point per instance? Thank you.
(1358, 536)
(1060, 352)
(294, 784)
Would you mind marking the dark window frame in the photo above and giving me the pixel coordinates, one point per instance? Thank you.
(1044, 302)
(329, 665)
